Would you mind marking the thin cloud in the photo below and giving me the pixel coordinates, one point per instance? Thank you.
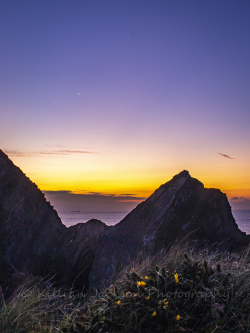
(66, 152)
(226, 156)
(136, 200)
(14, 152)
(240, 199)
(57, 146)
(128, 194)
(100, 195)
(64, 201)
(19, 153)
(62, 192)
(122, 196)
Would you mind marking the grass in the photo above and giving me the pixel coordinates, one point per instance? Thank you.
(181, 290)
(39, 308)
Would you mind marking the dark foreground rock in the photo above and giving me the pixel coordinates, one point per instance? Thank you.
(29, 226)
(34, 242)
(79, 246)
(181, 208)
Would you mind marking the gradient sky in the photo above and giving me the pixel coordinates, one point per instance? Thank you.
(111, 99)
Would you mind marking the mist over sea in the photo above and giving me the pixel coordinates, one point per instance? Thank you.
(242, 218)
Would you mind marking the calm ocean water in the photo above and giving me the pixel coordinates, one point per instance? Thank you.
(242, 218)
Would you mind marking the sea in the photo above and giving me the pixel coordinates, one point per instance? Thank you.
(242, 218)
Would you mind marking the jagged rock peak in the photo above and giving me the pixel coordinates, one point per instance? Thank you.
(180, 209)
(30, 228)
(2, 154)
(181, 176)
(33, 239)
(183, 173)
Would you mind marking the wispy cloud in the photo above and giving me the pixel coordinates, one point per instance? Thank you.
(240, 199)
(57, 146)
(100, 195)
(66, 152)
(240, 203)
(226, 156)
(91, 201)
(19, 153)
(128, 194)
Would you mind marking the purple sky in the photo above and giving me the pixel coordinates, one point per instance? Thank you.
(118, 96)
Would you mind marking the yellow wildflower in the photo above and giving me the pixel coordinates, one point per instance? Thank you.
(146, 277)
(118, 302)
(154, 313)
(135, 295)
(178, 317)
(147, 297)
(176, 278)
(164, 307)
(141, 283)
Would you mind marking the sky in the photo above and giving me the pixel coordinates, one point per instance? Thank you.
(104, 101)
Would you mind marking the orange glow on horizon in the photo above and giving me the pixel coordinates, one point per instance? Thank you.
(139, 177)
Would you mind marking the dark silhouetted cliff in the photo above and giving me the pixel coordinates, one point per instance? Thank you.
(33, 240)
(29, 226)
(181, 208)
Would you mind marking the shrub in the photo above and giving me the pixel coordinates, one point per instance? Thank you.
(181, 290)
(186, 291)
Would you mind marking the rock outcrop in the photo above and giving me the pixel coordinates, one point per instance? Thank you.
(180, 208)
(79, 246)
(33, 240)
(29, 226)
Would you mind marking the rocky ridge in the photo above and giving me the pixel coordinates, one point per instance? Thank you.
(29, 226)
(181, 208)
(33, 240)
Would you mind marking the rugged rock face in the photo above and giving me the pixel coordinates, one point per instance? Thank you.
(29, 226)
(180, 208)
(79, 246)
(33, 240)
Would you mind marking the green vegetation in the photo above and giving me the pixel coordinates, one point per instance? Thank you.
(179, 291)
(38, 309)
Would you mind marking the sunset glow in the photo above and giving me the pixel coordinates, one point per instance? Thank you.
(115, 98)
